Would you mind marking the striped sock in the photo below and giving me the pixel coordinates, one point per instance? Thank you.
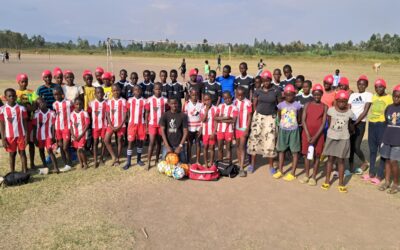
(139, 154)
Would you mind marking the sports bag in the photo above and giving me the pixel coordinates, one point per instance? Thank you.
(15, 178)
(227, 169)
(201, 173)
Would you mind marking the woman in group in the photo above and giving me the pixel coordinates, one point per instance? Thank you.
(263, 126)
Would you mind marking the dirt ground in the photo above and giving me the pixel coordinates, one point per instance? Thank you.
(110, 208)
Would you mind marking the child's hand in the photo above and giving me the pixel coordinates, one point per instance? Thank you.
(115, 129)
(169, 149)
(312, 140)
(5, 143)
(73, 137)
(309, 139)
(178, 150)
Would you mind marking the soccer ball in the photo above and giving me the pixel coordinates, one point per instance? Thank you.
(169, 169)
(161, 166)
(178, 173)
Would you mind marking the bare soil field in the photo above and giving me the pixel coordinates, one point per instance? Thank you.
(110, 208)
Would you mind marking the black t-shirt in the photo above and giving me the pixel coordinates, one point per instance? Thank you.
(246, 82)
(197, 86)
(302, 99)
(147, 89)
(122, 84)
(214, 89)
(285, 82)
(183, 67)
(267, 100)
(391, 136)
(174, 123)
(164, 90)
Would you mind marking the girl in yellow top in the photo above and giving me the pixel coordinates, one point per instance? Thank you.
(88, 89)
(376, 127)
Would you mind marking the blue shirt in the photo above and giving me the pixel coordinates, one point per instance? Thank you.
(227, 84)
(46, 93)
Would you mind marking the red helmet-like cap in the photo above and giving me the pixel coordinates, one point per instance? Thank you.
(46, 73)
(266, 74)
(22, 76)
(344, 81)
(328, 79)
(380, 82)
(342, 94)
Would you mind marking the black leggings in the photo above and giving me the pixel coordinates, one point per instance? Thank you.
(355, 142)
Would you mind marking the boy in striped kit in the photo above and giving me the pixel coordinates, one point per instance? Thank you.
(192, 109)
(244, 108)
(97, 109)
(208, 124)
(80, 123)
(43, 132)
(116, 117)
(63, 109)
(13, 126)
(136, 126)
(226, 120)
(155, 107)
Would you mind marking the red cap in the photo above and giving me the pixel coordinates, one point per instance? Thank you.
(380, 82)
(57, 71)
(106, 75)
(289, 88)
(328, 79)
(344, 81)
(20, 77)
(342, 94)
(100, 70)
(397, 88)
(66, 72)
(317, 87)
(192, 72)
(266, 74)
(86, 72)
(46, 73)
(363, 77)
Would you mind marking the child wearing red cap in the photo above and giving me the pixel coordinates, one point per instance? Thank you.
(107, 86)
(344, 85)
(193, 84)
(245, 80)
(376, 128)
(70, 89)
(360, 104)
(337, 144)
(26, 98)
(329, 93)
(98, 73)
(58, 76)
(13, 129)
(390, 149)
(288, 135)
(312, 138)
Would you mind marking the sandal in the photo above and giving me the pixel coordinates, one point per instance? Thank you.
(375, 181)
(277, 175)
(325, 186)
(394, 189)
(366, 177)
(289, 177)
(304, 180)
(384, 186)
(242, 173)
(312, 182)
(342, 189)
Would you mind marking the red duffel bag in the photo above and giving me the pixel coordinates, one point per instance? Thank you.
(198, 172)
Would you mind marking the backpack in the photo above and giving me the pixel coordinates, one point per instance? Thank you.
(201, 173)
(15, 178)
(227, 169)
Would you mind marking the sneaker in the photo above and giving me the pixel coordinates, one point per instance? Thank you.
(242, 173)
(48, 159)
(126, 167)
(43, 171)
(66, 168)
(304, 180)
(347, 173)
(289, 177)
(277, 175)
(358, 171)
(272, 171)
(140, 163)
(335, 174)
(250, 169)
(312, 182)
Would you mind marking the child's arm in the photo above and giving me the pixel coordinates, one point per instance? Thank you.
(71, 131)
(248, 123)
(255, 102)
(351, 126)
(125, 117)
(146, 120)
(204, 117)
(109, 119)
(85, 128)
(367, 106)
(185, 133)
(304, 118)
(25, 123)
(164, 138)
(3, 134)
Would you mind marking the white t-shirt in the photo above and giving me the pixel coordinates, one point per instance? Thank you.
(72, 92)
(357, 102)
(96, 84)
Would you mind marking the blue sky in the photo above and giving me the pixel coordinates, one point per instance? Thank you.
(218, 20)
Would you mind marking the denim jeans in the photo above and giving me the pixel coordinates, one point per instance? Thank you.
(375, 133)
(182, 155)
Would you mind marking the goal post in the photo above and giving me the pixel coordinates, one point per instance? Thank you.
(111, 41)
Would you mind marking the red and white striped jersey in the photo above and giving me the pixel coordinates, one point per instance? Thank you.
(193, 112)
(43, 123)
(63, 111)
(116, 108)
(156, 107)
(13, 118)
(244, 109)
(135, 107)
(79, 121)
(208, 126)
(226, 111)
(98, 111)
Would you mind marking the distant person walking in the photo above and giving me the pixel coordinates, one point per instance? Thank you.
(183, 69)
(260, 66)
(7, 56)
(218, 63)
(3, 57)
(19, 55)
(336, 79)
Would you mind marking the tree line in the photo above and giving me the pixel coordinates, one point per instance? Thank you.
(377, 43)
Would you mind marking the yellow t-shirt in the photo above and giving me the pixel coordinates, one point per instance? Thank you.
(378, 106)
(88, 95)
(107, 92)
(26, 96)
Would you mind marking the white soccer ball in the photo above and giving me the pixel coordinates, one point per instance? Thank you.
(178, 173)
(169, 169)
(161, 166)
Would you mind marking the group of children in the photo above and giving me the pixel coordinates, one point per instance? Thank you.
(313, 120)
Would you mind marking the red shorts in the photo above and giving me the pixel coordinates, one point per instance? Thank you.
(45, 143)
(120, 132)
(207, 140)
(15, 144)
(227, 136)
(96, 133)
(154, 130)
(63, 134)
(136, 132)
(79, 144)
(239, 133)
